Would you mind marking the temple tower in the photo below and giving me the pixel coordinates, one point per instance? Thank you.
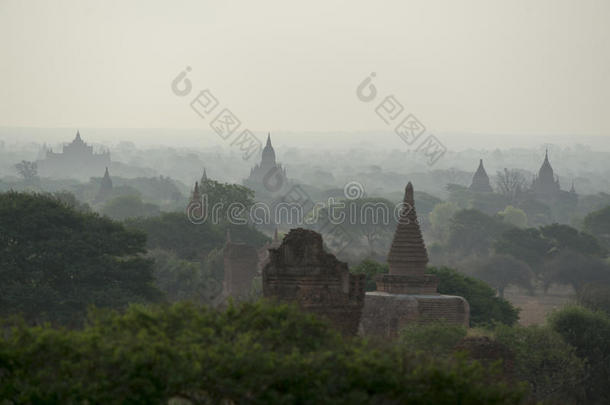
(105, 187)
(480, 180)
(546, 185)
(407, 294)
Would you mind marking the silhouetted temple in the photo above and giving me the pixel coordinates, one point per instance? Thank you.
(546, 184)
(105, 188)
(299, 270)
(269, 175)
(480, 180)
(407, 294)
(77, 159)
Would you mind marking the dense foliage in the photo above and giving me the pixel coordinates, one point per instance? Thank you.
(589, 333)
(485, 307)
(256, 353)
(55, 261)
(175, 233)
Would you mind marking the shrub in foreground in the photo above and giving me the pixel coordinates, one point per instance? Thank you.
(257, 353)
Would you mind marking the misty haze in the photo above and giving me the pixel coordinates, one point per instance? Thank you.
(304, 203)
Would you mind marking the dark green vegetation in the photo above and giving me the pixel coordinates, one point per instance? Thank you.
(255, 353)
(485, 307)
(55, 261)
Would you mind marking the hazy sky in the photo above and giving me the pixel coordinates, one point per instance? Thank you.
(539, 67)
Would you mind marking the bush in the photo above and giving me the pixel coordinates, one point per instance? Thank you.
(257, 353)
(370, 268)
(544, 360)
(589, 333)
(485, 307)
(435, 338)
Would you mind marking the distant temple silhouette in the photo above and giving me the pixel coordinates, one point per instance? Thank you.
(480, 180)
(268, 175)
(105, 188)
(77, 159)
(546, 184)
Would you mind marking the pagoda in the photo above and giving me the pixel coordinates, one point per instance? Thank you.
(408, 294)
(480, 180)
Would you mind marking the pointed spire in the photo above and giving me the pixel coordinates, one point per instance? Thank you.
(268, 139)
(480, 180)
(106, 174)
(205, 176)
(408, 255)
(78, 138)
(275, 237)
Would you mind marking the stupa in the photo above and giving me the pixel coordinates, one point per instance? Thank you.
(408, 294)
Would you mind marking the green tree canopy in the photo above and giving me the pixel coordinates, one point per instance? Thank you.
(55, 261)
(256, 353)
(485, 307)
(500, 271)
(597, 223)
(129, 206)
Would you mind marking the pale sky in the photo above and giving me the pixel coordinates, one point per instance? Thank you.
(497, 67)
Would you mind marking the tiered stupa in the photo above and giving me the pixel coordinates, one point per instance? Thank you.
(408, 256)
(407, 294)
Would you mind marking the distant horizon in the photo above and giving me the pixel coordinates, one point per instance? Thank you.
(202, 138)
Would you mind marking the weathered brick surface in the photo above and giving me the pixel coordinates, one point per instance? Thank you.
(386, 314)
(240, 268)
(300, 270)
(407, 294)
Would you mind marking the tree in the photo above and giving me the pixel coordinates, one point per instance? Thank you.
(485, 307)
(575, 269)
(55, 261)
(27, 170)
(129, 206)
(433, 338)
(370, 268)
(369, 218)
(524, 244)
(544, 360)
(514, 216)
(597, 223)
(471, 231)
(440, 220)
(500, 271)
(255, 353)
(509, 183)
(181, 280)
(589, 333)
(566, 238)
(174, 232)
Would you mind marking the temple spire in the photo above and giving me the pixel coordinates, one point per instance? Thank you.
(408, 255)
(268, 139)
(480, 180)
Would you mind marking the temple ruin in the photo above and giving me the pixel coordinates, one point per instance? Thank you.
(240, 268)
(408, 294)
(480, 180)
(300, 271)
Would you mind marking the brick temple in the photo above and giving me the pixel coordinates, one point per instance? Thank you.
(408, 294)
(300, 271)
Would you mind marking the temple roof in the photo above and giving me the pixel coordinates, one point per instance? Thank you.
(408, 253)
(480, 180)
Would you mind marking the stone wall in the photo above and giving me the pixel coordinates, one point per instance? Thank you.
(386, 314)
(300, 271)
(240, 268)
